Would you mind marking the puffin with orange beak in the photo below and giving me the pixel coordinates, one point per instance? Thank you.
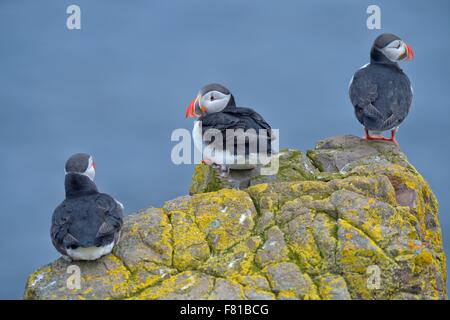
(216, 111)
(380, 91)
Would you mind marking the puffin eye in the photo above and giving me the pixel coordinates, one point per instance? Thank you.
(211, 98)
(399, 44)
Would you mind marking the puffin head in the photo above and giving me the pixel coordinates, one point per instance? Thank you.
(210, 99)
(391, 47)
(81, 163)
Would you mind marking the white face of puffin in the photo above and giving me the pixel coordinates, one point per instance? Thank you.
(397, 50)
(213, 101)
(90, 171)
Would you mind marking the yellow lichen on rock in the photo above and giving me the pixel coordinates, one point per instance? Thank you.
(225, 217)
(189, 244)
(351, 220)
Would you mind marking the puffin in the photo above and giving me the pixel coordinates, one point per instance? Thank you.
(215, 109)
(380, 91)
(87, 224)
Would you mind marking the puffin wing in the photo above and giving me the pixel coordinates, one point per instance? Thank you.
(59, 231)
(400, 98)
(220, 121)
(112, 211)
(238, 119)
(253, 120)
(253, 115)
(363, 93)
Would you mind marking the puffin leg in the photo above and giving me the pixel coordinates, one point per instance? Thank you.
(66, 258)
(367, 136)
(224, 170)
(393, 136)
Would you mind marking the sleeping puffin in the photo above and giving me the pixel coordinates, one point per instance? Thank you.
(380, 91)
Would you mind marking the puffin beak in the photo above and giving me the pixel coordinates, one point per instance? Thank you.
(410, 52)
(190, 111)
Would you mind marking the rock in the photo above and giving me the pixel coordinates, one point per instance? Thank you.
(351, 219)
(293, 166)
(340, 154)
(227, 290)
(333, 287)
(288, 282)
(274, 248)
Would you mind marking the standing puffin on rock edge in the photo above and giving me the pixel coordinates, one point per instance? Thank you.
(216, 109)
(87, 224)
(380, 91)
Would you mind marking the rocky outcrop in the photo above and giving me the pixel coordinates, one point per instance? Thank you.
(351, 219)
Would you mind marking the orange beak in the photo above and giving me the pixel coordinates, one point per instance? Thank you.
(410, 52)
(190, 111)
